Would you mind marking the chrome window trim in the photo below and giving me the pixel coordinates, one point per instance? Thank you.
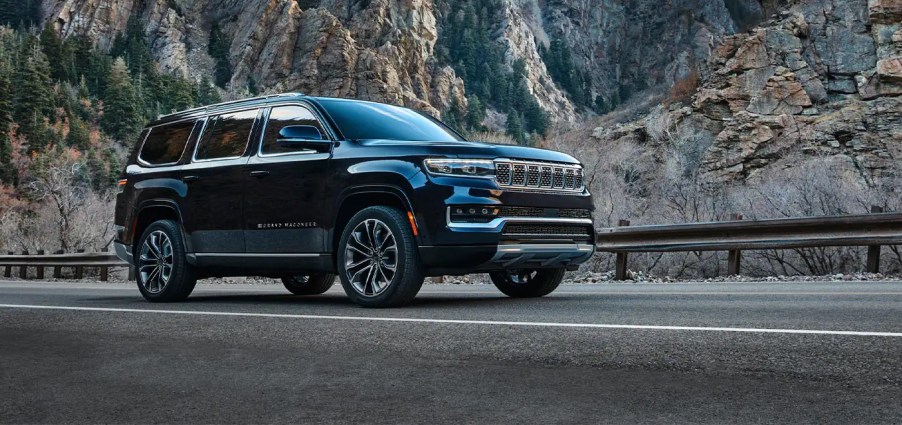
(203, 131)
(150, 130)
(260, 153)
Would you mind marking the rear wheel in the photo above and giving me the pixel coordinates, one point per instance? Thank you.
(378, 261)
(162, 268)
(313, 284)
(527, 283)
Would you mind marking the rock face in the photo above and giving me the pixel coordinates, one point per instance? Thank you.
(379, 50)
(383, 49)
(821, 78)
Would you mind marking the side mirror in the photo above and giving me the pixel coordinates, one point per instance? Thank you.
(303, 137)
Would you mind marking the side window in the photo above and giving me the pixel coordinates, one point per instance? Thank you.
(283, 116)
(226, 136)
(166, 143)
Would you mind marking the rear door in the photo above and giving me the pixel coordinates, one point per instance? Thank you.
(284, 191)
(213, 212)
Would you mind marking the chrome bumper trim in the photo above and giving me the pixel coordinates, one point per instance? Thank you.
(542, 255)
(498, 223)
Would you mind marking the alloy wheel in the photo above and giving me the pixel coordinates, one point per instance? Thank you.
(155, 262)
(371, 258)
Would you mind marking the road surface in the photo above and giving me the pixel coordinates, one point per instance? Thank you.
(685, 353)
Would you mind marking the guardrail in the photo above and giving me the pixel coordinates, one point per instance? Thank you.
(77, 261)
(871, 230)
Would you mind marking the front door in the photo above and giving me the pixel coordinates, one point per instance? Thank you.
(283, 202)
(213, 213)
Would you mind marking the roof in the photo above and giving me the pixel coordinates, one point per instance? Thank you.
(205, 110)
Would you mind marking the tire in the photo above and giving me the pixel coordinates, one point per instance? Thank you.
(153, 259)
(527, 283)
(367, 277)
(313, 284)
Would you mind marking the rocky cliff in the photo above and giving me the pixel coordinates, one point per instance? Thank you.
(380, 50)
(384, 49)
(821, 78)
(817, 76)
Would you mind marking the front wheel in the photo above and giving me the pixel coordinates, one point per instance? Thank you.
(378, 261)
(527, 283)
(313, 284)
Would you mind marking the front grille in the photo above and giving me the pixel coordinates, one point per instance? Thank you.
(507, 211)
(546, 231)
(531, 175)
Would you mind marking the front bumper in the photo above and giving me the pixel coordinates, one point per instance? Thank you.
(486, 258)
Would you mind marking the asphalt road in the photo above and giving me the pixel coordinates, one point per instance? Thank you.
(678, 353)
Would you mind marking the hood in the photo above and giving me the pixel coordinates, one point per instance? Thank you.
(478, 150)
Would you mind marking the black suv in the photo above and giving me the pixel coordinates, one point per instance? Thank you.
(304, 188)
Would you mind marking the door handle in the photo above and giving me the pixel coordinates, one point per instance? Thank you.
(189, 179)
(259, 173)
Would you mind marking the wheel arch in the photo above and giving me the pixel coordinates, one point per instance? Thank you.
(355, 199)
(154, 210)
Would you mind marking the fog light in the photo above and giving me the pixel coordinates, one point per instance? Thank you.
(474, 214)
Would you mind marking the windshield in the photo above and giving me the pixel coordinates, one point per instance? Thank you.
(375, 121)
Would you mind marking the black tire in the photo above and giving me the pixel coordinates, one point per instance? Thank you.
(406, 279)
(182, 278)
(527, 283)
(313, 284)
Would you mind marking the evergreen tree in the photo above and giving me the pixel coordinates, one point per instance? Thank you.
(121, 116)
(114, 166)
(79, 136)
(206, 93)
(21, 14)
(33, 94)
(218, 49)
(7, 175)
(180, 93)
(515, 128)
(53, 49)
(475, 113)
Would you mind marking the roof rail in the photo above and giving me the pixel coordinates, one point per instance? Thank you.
(231, 102)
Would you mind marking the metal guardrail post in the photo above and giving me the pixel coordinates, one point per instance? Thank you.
(873, 265)
(622, 257)
(23, 269)
(8, 272)
(39, 273)
(104, 270)
(57, 270)
(79, 270)
(734, 257)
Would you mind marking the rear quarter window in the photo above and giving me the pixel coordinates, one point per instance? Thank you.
(166, 143)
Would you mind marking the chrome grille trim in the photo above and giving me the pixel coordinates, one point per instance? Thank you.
(534, 175)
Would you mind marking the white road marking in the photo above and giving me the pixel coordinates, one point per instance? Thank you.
(460, 322)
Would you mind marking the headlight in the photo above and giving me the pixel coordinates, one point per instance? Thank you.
(461, 167)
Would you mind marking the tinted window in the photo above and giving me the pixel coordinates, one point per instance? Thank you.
(283, 116)
(362, 120)
(166, 143)
(226, 135)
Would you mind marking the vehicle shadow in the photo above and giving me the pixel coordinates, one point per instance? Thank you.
(340, 300)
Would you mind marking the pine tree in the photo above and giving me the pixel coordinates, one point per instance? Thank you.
(33, 95)
(121, 116)
(475, 113)
(515, 128)
(206, 93)
(79, 136)
(6, 149)
(52, 47)
(218, 49)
